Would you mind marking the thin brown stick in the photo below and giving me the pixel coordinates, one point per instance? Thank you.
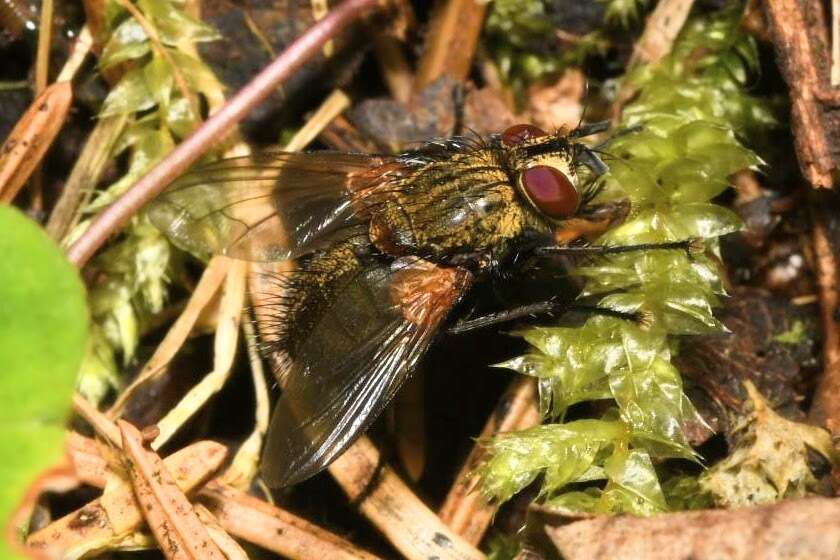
(216, 127)
(395, 67)
(465, 510)
(826, 406)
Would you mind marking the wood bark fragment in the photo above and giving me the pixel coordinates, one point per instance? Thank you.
(805, 528)
(179, 532)
(109, 519)
(465, 511)
(800, 36)
(454, 30)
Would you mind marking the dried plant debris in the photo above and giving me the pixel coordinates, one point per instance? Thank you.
(770, 342)
(769, 461)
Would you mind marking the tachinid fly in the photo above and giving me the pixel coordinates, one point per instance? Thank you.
(384, 248)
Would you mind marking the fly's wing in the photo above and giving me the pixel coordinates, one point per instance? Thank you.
(360, 351)
(266, 207)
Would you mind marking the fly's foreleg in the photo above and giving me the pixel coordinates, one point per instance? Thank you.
(690, 246)
(542, 308)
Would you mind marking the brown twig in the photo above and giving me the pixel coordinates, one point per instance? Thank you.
(216, 127)
(800, 37)
(465, 510)
(453, 36)
(805, 528)
(825, 409)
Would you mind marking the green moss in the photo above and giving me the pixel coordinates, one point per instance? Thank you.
(133, 273)
(684, 149)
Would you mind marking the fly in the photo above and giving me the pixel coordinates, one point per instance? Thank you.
(384, 248)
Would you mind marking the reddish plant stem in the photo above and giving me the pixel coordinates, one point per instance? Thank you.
(215, 128)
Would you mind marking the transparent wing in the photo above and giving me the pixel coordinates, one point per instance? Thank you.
(359, 353)
(266, 207)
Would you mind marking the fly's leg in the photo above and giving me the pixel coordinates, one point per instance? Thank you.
(459, 101)
(589, 129)
(548, 307)
(690, 246)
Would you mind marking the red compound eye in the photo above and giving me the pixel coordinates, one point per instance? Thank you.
(551, 191)
(518, 133)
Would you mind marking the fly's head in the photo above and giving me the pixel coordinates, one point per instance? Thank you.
(545, 170)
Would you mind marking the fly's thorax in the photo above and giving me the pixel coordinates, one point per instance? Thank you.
(463, 203)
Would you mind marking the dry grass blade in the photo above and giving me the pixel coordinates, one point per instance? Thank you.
(465, 511)
(85, 175)
(269, 527)
(224, 352)
(170, 516)
(31, 137)
(244, 467)
(97, 420)
(662, 27)
(106, 522)
(388, 503)
(453, 37)
(207, 287)
(225, 542)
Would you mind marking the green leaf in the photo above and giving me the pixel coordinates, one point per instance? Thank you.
(43, 326)
(175, 26)
(127, 42)
(130, 95)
